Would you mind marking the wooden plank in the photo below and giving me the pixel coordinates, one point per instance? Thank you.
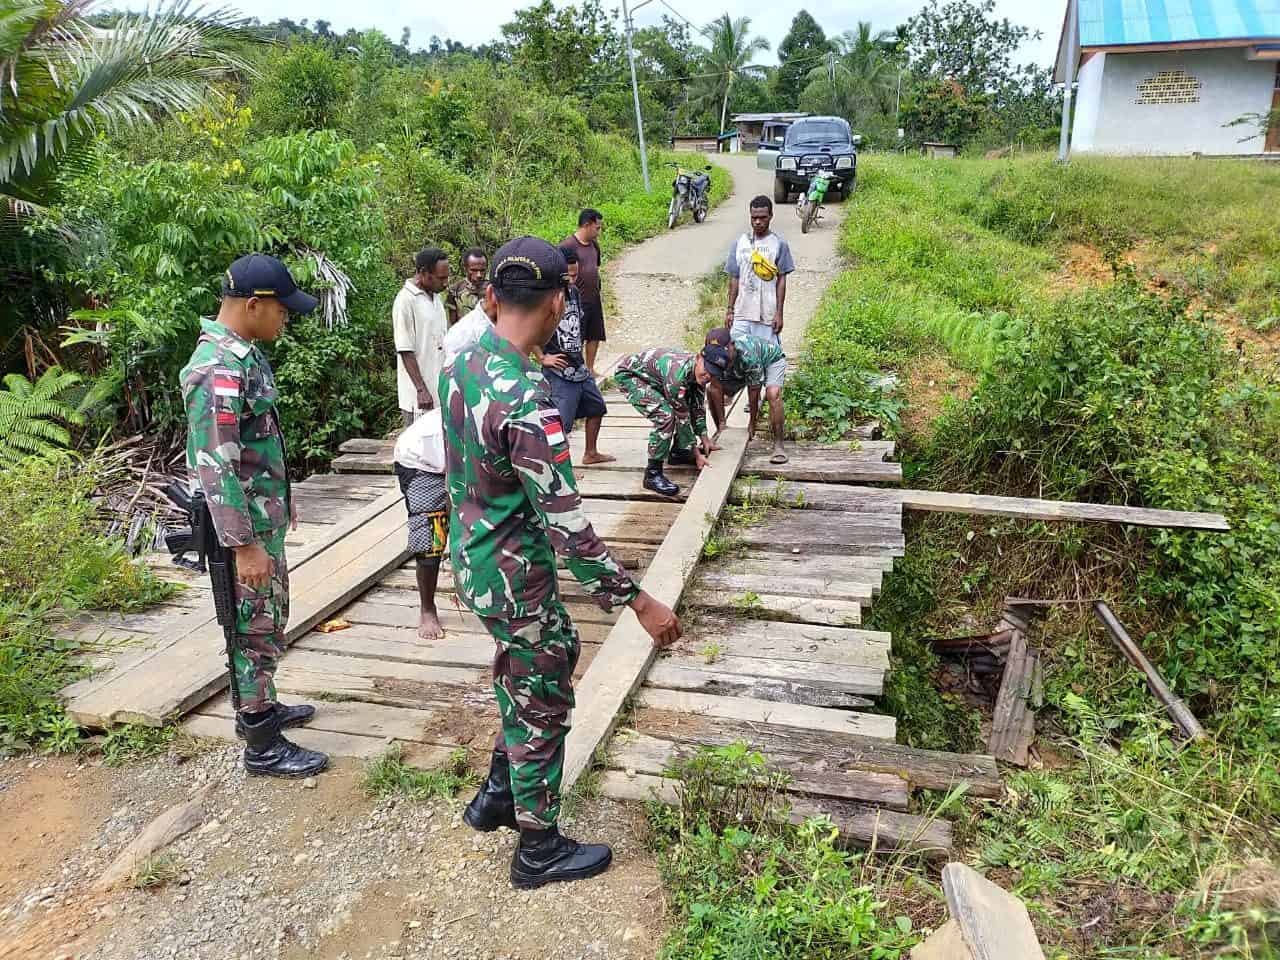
(788, 564)
(823, 463)
(761, 584)
(848, 679)
(857, 823)
(406, 615)
(334, 744)
(174, 678)
(1012, 720)
(349, 717)
(782, 728)
(396, 670)
(742, 711)
(797, 642)
(772, 606)
(638, 752)
(995, 924)
(818, 496)
(1174, 704)
(815, 534)
(619, 668)
(671, 675)
(1059, 510)
(582, 611)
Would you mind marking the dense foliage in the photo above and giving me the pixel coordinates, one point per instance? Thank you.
(1064, 350)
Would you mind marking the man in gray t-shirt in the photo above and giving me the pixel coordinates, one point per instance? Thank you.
(758, 264)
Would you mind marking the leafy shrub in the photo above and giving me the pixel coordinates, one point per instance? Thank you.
(30, 414)
(302, 88)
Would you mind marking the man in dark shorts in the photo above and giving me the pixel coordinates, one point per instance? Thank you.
(573, 388)
(584, 242)
(419, 463)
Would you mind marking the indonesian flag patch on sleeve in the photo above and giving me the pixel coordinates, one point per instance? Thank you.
(226, 383)
(551, 427)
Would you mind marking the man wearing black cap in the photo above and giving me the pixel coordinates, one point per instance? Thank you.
(235, 454)
(515, 506)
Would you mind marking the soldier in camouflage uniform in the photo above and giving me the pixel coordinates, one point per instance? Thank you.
(464, 295)
(753, 362)
(235, 454)
(515, 505)
(667, 386)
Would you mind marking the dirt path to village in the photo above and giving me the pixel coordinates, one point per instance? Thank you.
(654, 286)
(281, 871)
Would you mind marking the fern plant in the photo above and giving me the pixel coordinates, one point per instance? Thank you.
(34, 416)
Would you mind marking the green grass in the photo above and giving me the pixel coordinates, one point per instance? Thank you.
(156, 871)
(390, 775)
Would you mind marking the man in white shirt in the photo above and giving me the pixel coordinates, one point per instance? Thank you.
(469, 328)
(418, 321)
(758, 264)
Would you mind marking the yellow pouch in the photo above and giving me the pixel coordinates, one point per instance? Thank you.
(762, 266)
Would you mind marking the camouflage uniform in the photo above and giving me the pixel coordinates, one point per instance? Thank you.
(463, 297)
(235, 453)
(661, 385)
(753, 356)
(515, 505)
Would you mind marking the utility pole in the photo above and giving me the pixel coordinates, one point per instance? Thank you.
(1069, 56)
(635, 93)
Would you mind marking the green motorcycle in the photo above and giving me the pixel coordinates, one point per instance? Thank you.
(810, 203)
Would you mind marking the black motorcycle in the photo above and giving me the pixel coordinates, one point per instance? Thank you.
(688, 190)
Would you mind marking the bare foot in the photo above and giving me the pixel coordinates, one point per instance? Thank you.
(597, 457)
(429, 627)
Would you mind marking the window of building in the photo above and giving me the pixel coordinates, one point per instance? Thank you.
(1169, 86)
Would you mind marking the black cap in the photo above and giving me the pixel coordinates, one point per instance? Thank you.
(716, 359)
(258, 275)
(531, 263)
(719, 337)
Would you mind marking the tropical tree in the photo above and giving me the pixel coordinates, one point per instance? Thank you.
(860, 78)
(729, 58)
(804, 43)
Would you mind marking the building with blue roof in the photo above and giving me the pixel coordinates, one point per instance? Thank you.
(1168, 77)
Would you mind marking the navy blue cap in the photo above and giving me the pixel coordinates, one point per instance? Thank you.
(716, 360)
(529, 262)
(258, 275)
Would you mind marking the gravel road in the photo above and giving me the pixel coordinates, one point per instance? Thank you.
(654, 285)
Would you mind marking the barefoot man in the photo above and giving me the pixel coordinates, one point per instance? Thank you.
(573, 387)
(419, 461)
(747, 361)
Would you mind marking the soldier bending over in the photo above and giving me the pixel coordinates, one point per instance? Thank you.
(515, 506)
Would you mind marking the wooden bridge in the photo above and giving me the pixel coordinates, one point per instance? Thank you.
(773, 655)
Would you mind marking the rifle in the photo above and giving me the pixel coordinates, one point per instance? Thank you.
(201, 538)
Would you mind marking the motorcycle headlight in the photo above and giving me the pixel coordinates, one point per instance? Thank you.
(844, 163)
(787, 163)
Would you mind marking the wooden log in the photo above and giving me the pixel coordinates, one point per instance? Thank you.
(1174, 704)
(179, 819)
(673, 717)
(1058, 510)
(858, 824)
(633, 751)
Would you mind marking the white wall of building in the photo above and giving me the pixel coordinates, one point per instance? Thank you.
(1108, 120)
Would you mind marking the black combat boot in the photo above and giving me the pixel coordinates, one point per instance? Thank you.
(294, 716)
(493, 806)
(544, 856)
(267, 753)
(655, 480)
(682, 458)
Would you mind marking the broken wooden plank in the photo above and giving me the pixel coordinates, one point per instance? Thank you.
(675, 717)
(786, 564)
(818, 534)
(639, 752)
(859, 824)
(1177, 708)
(743, 712)
(993, 923)
(775, 640)
(817, 496)
(1013, 720)
(848, 679)
(828, 588)
(833, 470)
(1058, 510)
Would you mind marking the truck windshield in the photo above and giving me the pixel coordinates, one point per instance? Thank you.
(817, 133)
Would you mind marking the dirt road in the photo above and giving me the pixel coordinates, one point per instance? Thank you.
(654, 285)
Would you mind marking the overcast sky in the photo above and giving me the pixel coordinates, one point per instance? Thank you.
(478, 21)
